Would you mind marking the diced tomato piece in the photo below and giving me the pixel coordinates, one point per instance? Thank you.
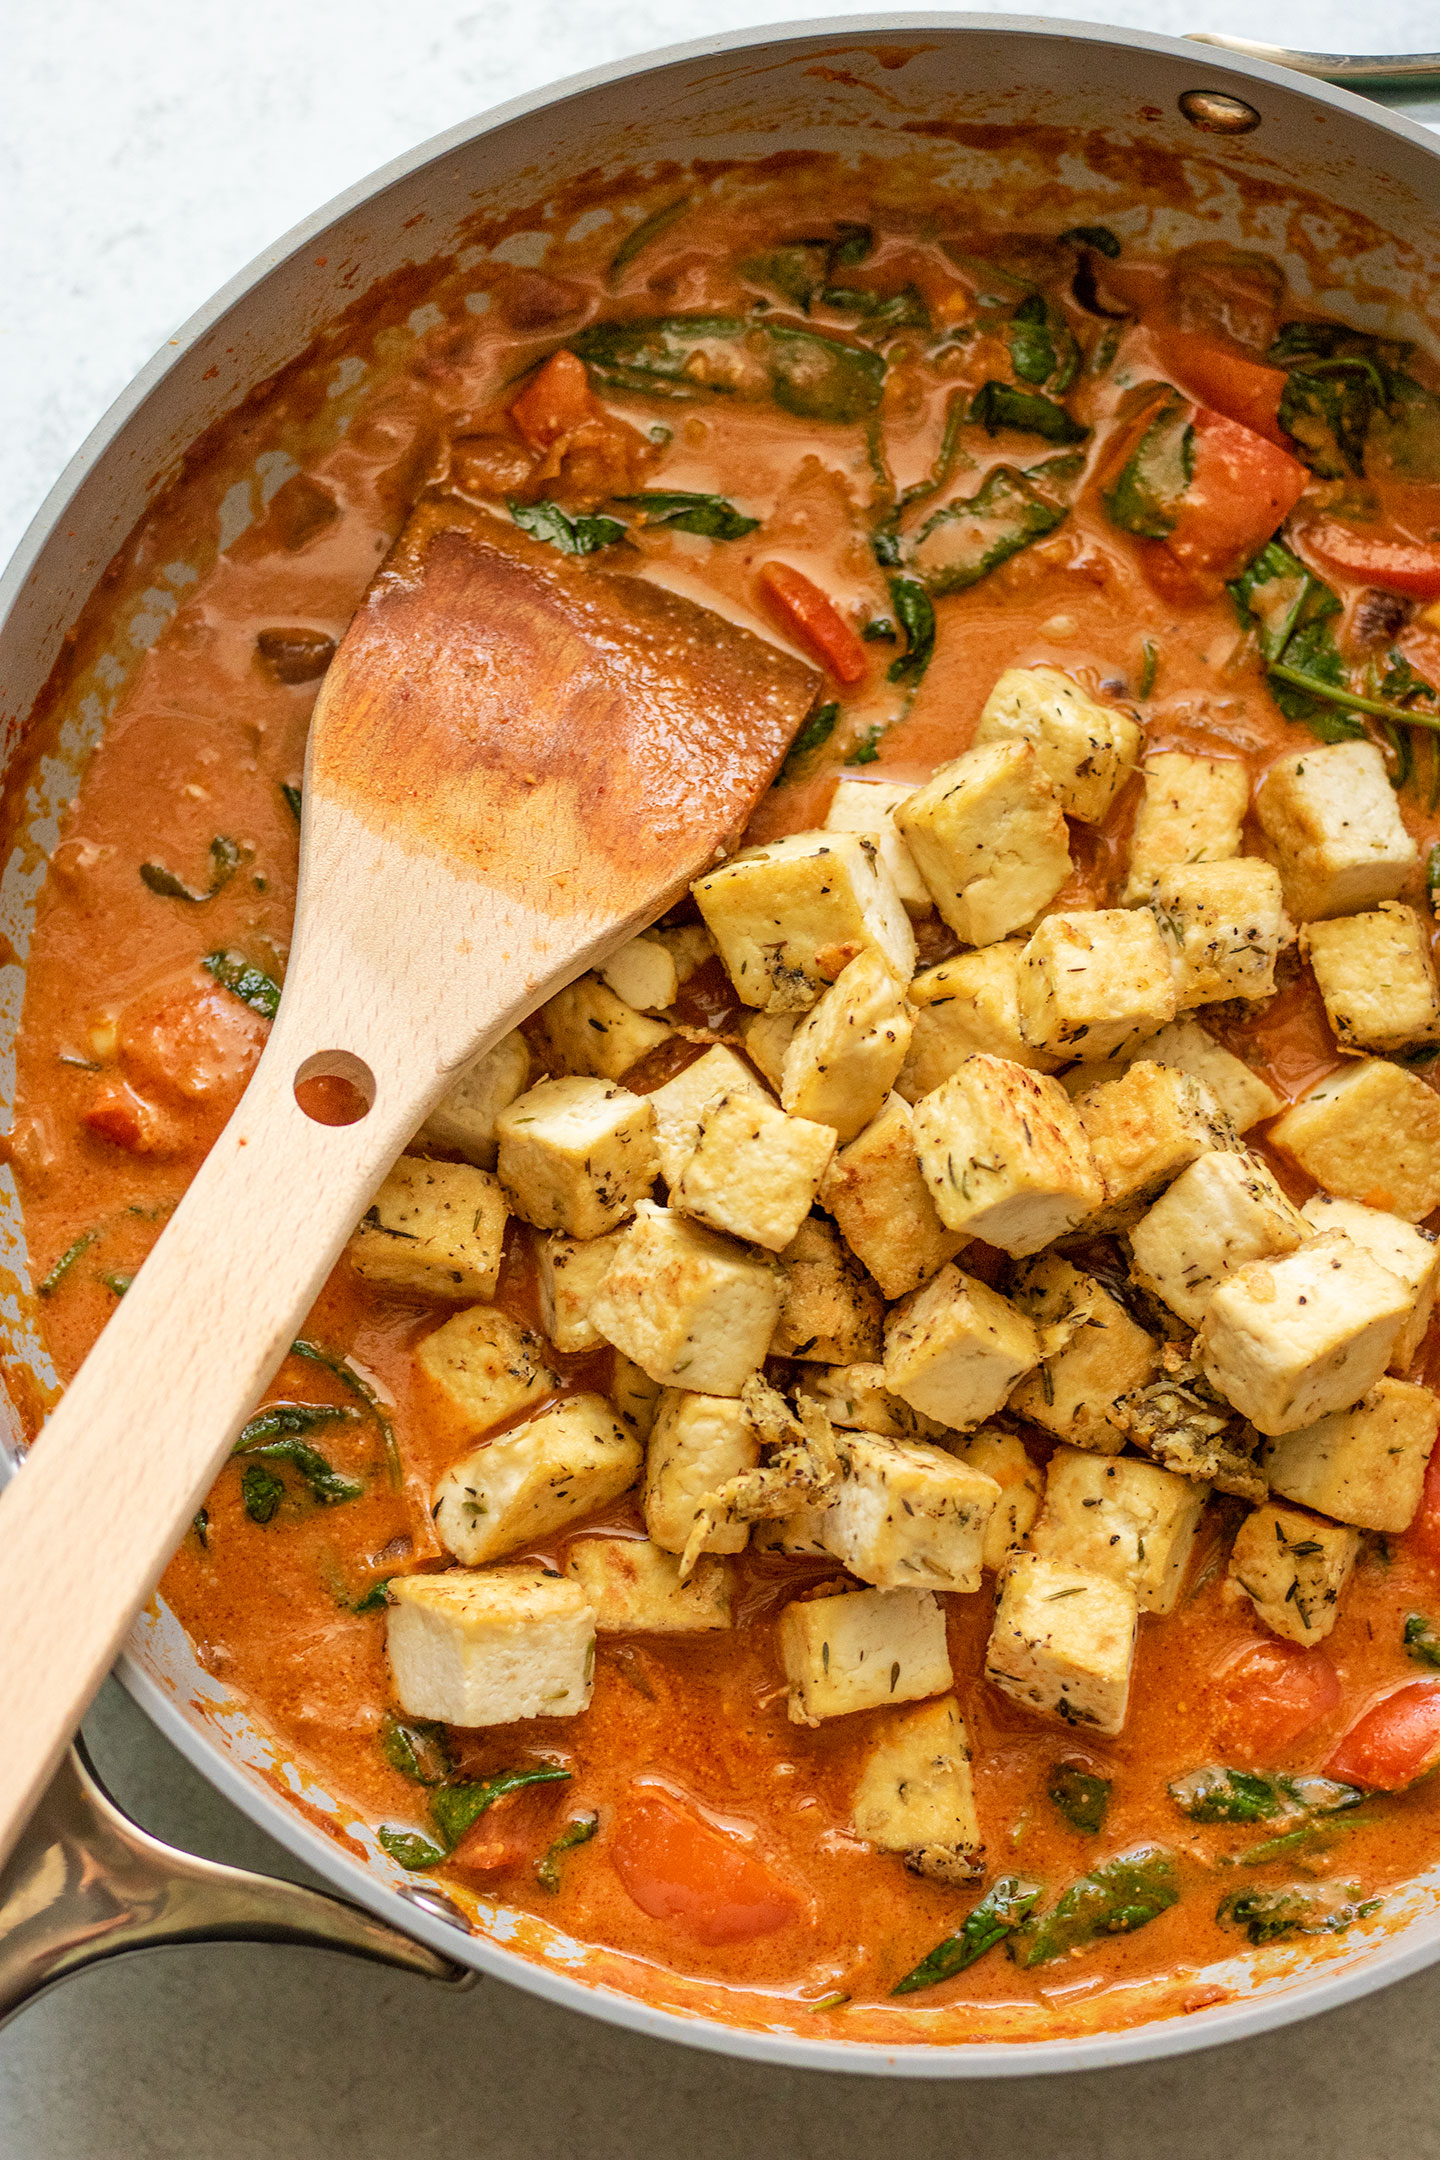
(1373, 557)
(1394, 1743)
(556, 400)
(509, 1832)
(1225, 379)
(128, 1121)
(1423, 1536)
(1241, 490)
(678, 1867)
(815, 619)
(1272, 1693)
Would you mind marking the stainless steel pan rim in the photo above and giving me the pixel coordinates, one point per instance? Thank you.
(1407, 1952)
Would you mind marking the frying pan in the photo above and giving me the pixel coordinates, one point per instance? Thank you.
(1244, 144)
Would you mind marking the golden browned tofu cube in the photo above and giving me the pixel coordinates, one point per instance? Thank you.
(877, 1193)
(436, 1227)
(1191, 812)
(576, 1155)
(754, 1171)
(1224, 1211)
(789, 916)
(570, 1272)
(464, 1120)
(767, 1037)
(1094, 984)
(862, 1651)
(1144, 1128)
(843, 1058)
(1223, 925)
(868, 806)
(966, 1004)
(681, 1103)
(692, 1310)
(1129, 1520)
(697, 1443)
(1370, 1132)
(491, 1647)
(591, 1030)
(1409, 1253)
(1330, 814)
(830, 1311)
(1087, 750)
(1063, 1642)
(1005, 1156)
(649, 971)
(1004, 1457)
(1292, 1567)
(486, 1366)
(1365, 1465)
(1186, 1046)
(534, 1479)
(915, 1795)
(989, 838)
(1099, 1354)
(634, 1588)
(955, 1349)
(908, 1516)
(856, 1398)
(1377, 978)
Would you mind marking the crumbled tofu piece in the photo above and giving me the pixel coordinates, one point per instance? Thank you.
(1126, 1519)
(1243, 1096)
(1095, 983)
(1087, 750)
(635, 1395)
(1408, 1253)
(1369, 1132)
(696, 1443)
(486, 1366)
(868, 806)
(576, 1155)
(1063, 1642)
(877, 1193)
(955, 1349)
(856, 1398)
(1005, 1156)
(767, 1038)
(635, 1588)
(989, 838)
(754, 1171)
(1184, 1424)
(1144, 1128)
(788, 917)
(861, 1651)
(967, 1004)
(1364, 1466)
(1223, 1212)
(1292, 1567)
(915, 1795)
(464, 1120)
(1331, 816)
(1289, 1340)
(437, 1227)
(681, 1103)
(692, 1309)
(489, 1648)
(843, 1058)
(831, 1312)
(1191, 812)
(1222, 925)
(1377, 978)
(1100, 1354)
(1004, 1457)
(908, 1516)
(571, 1270)
(590, 1030)
(537, 1477)
(648, 971)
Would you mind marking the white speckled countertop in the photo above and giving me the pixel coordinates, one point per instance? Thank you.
(146, 152)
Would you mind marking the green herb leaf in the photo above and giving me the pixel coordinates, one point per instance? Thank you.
(1215, 1794)
(226, 857)
(1082, 1797)
(283, 1420)
(1327, 407)
(1006, 1905)
(454, 1808)
(1096, 236)
(51, 1282)
(795, 272)
(688, 356)
(1042, 346)
(1149, 667)
(1421, 1641)
(812, 732)
(916, 615)
(373, 1599)
(998, 405)
(905, 310)
(261, 1491)
(578, 1832)
(1269, 1915)
(1323, 704)
(294, 800)
(345, 1373)
(1115, 1898)
(880, 631)
(1275, 596)
(1145, 498)
(966, 540)
(411, 1851)
(327, 1485)
(250, 984)
(818, 378)
(641, 235)
(572, 535)
(867, 750)
(709, 515)
(418, 1748)
(200, 1524)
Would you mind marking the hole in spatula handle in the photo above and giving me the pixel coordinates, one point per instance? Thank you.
(334, 1087)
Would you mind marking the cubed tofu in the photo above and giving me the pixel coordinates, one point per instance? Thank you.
(436, 1227)
(1331, 816)
(955, 1349)
(590, 1030)
(989, 838)
(1223, 1212)
(877, 1193)
(856, 1398)
(967, 1004)
(767, 1038)
(1063, 1642)
(831, 1312)
(537, 1477)
(1187, 1047)
(486, 1366)
(1377, 978)
(868, 806)
(489, 1648)
(1005, 1156)
(1087, 750)
(788, 917)
(1100, 1354)
(1222, 925)
(1144, 1128)
(635, 1395)
(681, 1103)
(754, 1171)
(635, 1589)
(908, 1516)
(915, 1795)
(1365, 1465)
(1129, 1520)
(843, 1058)
(1094, 984)
(861, 1651)
(1369, 1132)
(1292, 1567)
(571, 1270)
(692, 1309)
(1290, 1340)
(1191, 812)
(1409, 1253)
(697, 1443)
(464, 1120)
(1004, 1457)
(576, 1155)
(649, 971)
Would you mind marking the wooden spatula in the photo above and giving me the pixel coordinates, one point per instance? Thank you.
(515, 762)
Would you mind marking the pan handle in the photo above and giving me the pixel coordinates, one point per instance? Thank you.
(85, 1884)
(1414, 71)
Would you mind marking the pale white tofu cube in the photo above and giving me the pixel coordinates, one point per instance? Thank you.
(754, 1171)
(570, 1272)
(635, 1588)
(1292, 1567)
(1289, 1340)
(955, 1349)
(1099, 1354)
(908, 1516)
(681, 1103)
(1063, 1642)
(436, 1227)
(649, 971)
(877, 1193)
(1223, 1212)
(1222, 925)
(464, 1120)
(577, 1155)
(1129, 1520)
(1370, 1132)
(915, 1794)
(489, 1648)
(635, 1395)
(1365, 1465)
(767, 1037)
(1144, 1128)
(963, 1005)
(1331, 816)
(868, 806)
(856, 1398)
(1005, 1156)
(862, 1651)
(588, 1029)
(1191, 812)
(1087, 750)
(788, 917)
(697, 1443)
(843, 1058)
(830, 1312)
(1242, 1095)
(1409, 1253)
(1094, 984)
(1377, 978)
(692, 1310)
(486, 1367)
(537, 1477)
(1004, 1457)
(989, 838)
